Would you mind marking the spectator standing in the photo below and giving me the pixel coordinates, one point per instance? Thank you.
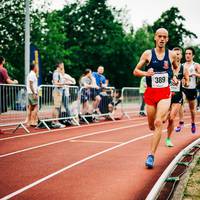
(142, 89)
(58, 82)
(32, 91)
(4, 79)
(88, 81)
(68, 80)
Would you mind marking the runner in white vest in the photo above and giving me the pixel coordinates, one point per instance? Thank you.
(190, 91)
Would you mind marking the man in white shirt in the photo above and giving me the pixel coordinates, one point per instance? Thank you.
(58, 82)
(68, 81)
(32, 91)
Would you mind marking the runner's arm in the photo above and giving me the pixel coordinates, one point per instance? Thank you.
(197, 67)
(143, 60)
(174, 60)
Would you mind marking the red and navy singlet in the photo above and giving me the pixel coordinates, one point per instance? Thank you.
(163, 71)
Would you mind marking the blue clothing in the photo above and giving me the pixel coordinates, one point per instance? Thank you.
(160, 66)
(100, 79)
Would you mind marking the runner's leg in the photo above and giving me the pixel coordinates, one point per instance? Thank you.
(192, 110)
(174, 110)
(162, 108)
(151, 112)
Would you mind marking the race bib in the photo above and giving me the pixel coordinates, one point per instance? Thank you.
(192, 82)
(160, 80)
(175, 88)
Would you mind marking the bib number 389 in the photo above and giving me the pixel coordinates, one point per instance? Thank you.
(159, 80)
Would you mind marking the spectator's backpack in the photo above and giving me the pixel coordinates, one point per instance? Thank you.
(103, 105)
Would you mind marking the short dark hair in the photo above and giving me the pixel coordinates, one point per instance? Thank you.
(87, 71)
(2, 59)
(58, 63)
(32, 66)
(191, 49)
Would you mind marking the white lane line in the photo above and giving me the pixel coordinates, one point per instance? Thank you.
(76, 164)
(106, 122)
(96, 141)
(72, 138)
(74, 127)
(68, 128)
(72, 165)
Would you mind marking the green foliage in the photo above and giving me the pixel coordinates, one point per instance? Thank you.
(174, 23)
(83, 36)
(197, 53)
(52, 40)
(143, 39)
(100, 38)
(12, 35)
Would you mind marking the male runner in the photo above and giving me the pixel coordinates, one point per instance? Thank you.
(177, 96)
(190, 91)
(158, 72)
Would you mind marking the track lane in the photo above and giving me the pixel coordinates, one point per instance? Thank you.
(90, 148)
(103, 137)
(13, 147)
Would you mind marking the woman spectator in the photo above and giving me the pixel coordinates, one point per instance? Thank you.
(88, 82)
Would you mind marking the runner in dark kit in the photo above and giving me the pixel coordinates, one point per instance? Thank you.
(177, 97)
(159, 72)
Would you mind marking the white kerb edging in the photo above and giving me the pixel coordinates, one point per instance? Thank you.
(157, 187)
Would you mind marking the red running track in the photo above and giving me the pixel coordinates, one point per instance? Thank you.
(102, 161)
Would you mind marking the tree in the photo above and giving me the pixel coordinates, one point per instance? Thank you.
(143, 40)
(12, 36)
(101, 40)
(48, 35)
(197, 53)
(173, 21)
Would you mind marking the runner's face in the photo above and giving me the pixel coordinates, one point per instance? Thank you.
(161, 39)
(188, 55)
(178, 55)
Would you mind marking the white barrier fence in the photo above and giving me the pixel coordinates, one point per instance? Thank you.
(96, 103)
(131, 101)
(13, 101)
(57, 103)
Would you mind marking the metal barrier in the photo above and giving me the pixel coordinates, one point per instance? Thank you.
(13, 100)
(131, 101)
(94, 103)
(64, 99)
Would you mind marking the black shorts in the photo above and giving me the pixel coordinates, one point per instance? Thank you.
(94, 93)
(191, 94)
(177, 97)
(88, 95)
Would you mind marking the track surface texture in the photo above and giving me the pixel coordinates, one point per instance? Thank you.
(101, 161)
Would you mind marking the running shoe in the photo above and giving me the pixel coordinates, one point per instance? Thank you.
(193, 128)
(168, 142)
(142, 114)
(150, 161)
(57, 125)
(179, 127)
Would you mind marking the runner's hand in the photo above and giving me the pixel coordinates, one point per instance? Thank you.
(150, 72)
(35, 96)
(175, 80)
